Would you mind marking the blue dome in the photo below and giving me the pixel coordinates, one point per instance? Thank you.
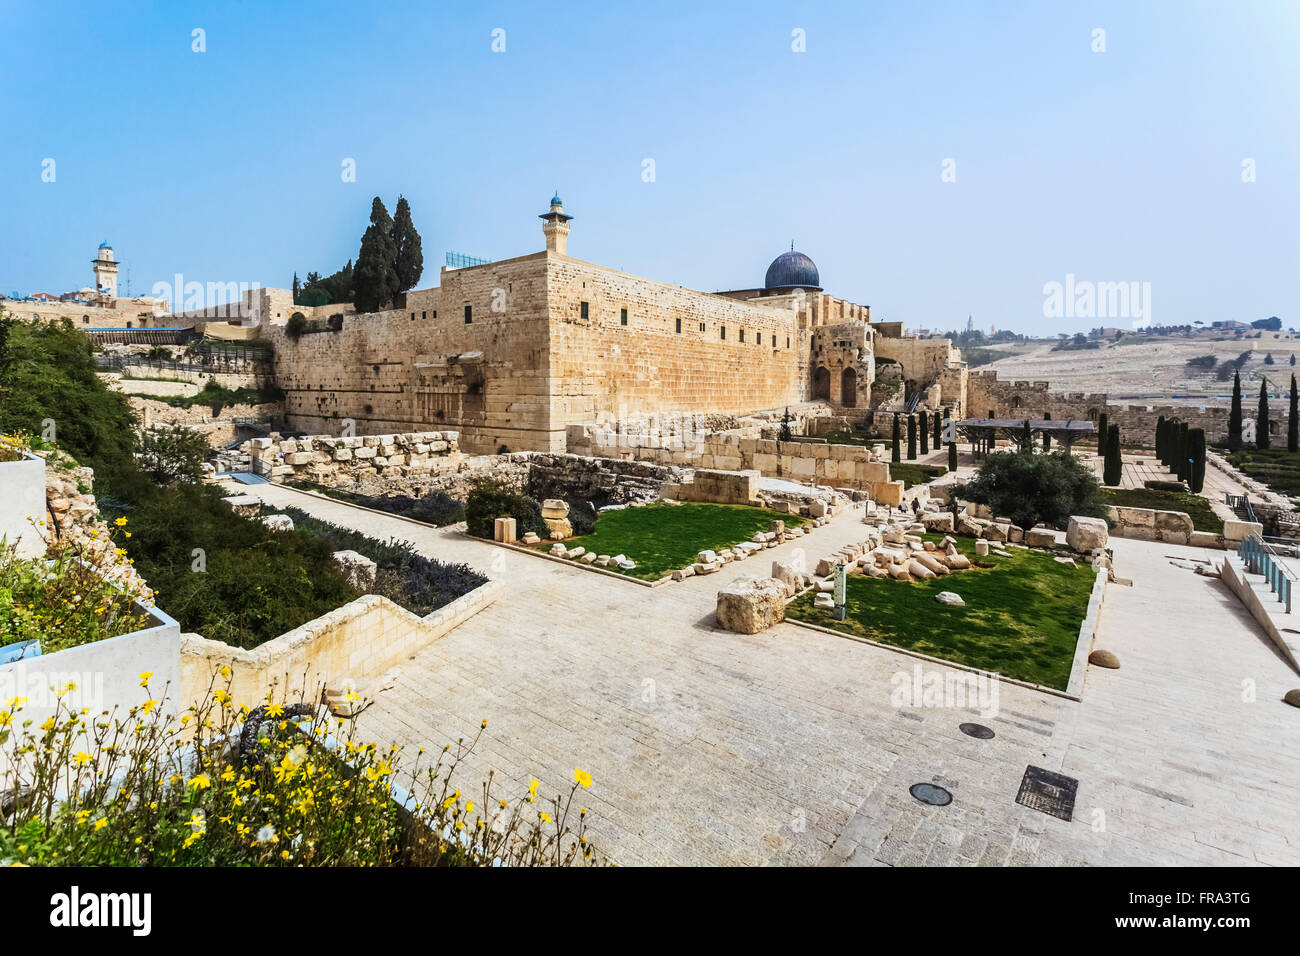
(792, 270)
(555, 200)
(105, 245)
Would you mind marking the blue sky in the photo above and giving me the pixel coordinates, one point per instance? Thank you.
(1117, 166)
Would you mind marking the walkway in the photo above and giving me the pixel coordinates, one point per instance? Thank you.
(786, 747)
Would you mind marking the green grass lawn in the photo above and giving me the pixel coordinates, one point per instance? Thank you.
(661, 538)
(1197, 506)
(914, 474)
(1275, 467)
(1021, 618)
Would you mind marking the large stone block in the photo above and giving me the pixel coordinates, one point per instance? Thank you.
(1086, 534)
(751, 604)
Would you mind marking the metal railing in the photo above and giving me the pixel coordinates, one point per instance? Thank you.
(1260, 558)
(1240, 504)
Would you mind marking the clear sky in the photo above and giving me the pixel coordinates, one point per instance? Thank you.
(225, 165)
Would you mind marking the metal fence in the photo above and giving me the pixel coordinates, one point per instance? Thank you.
(1261, 559)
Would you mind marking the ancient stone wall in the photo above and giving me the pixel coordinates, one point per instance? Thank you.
(680, 351)
(342, 462)
(218, 423)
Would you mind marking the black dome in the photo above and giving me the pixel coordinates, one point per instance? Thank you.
(792, 270)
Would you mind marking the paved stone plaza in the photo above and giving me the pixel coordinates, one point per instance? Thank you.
(784, 747)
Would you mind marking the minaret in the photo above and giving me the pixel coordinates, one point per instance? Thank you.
(105, 267)
(555, 226)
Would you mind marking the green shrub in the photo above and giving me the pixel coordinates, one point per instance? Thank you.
(491, 498)
(1034, 489)
(582, 516)
(168, 453)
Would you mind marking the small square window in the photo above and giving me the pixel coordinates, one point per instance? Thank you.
(701, 326)
(742, 335)
(423, 316)
(787, 341)
(679, 325)
(722, 329)
(469, 314)
(412, 316)
(583, 309)
(435, 313)
(622, 316)
(758, 339)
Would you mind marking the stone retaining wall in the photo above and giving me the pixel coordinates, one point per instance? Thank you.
(841, 466)
(342, 462)
(359, 641)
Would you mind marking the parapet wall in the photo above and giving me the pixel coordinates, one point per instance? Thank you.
(343, 462)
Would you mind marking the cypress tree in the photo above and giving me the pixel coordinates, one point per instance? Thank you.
(1027, 439)
(938, 436)
(1160, 439)
(911, 438)
(1234, 416)
(1047, 436)
(894, 455)
(1293, 423)
(1196, 437)
(1261, 421)
(1182, 446)
(375, 273)
(925, 433)
(952, 455)
(1113, 466)
(408, 258)
(1102, 433)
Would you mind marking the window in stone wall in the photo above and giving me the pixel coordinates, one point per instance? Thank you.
(701, 326)
(85, 320)
(435, 313)
(723, 330)
(742, 335)
(583, 309)
(679, 325)
(622, 316)
(758, 338)
(412, 316)
(469, 314)
(787, 341)
(423, 316)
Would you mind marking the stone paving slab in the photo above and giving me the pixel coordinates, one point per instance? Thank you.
(787, 747)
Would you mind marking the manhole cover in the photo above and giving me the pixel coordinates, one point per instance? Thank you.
(978, 731)
(1052, 793)
(931, 794)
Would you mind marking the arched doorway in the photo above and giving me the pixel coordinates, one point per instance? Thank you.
(849, 387)
(822, 383)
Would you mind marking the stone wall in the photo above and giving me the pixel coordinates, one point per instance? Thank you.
(599, 480)
(1137, 423)
(1174, 527)
(216, 423)
(843, 466)
(356, 642)
(343, 462)
(724, 487)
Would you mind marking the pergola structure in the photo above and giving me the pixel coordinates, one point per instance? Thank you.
(982, 433)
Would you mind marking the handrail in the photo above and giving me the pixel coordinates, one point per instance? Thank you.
(1260, 558)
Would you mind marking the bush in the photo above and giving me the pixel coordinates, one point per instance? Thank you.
(1036, 489)
(296, 325)
(491, 498)
(582, 516)
(404, 576)
(224, 785)
(1156, 485)
(170, 453)
(1206, 362)
(63, 599)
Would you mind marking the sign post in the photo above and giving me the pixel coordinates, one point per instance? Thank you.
(841, 588)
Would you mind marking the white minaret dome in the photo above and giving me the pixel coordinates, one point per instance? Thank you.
(105, 267)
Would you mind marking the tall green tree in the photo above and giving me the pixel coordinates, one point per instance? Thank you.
(1293, 423)
(1047, 436)
(375, 273)
(938, 435)
(1196, 452)
(911, 438)
(1160, 440)
(409, 256)
(1113, 466)
(1027, 439)
(895, 453)
(1182, 456)
(952, 456)
(1261, 420)
(1234, 415)
(1103, 434)
(925, 432)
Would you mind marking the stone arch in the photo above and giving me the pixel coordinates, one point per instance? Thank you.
(849, 386)
(1015, 401)
(1093, 415)
(822, 383)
